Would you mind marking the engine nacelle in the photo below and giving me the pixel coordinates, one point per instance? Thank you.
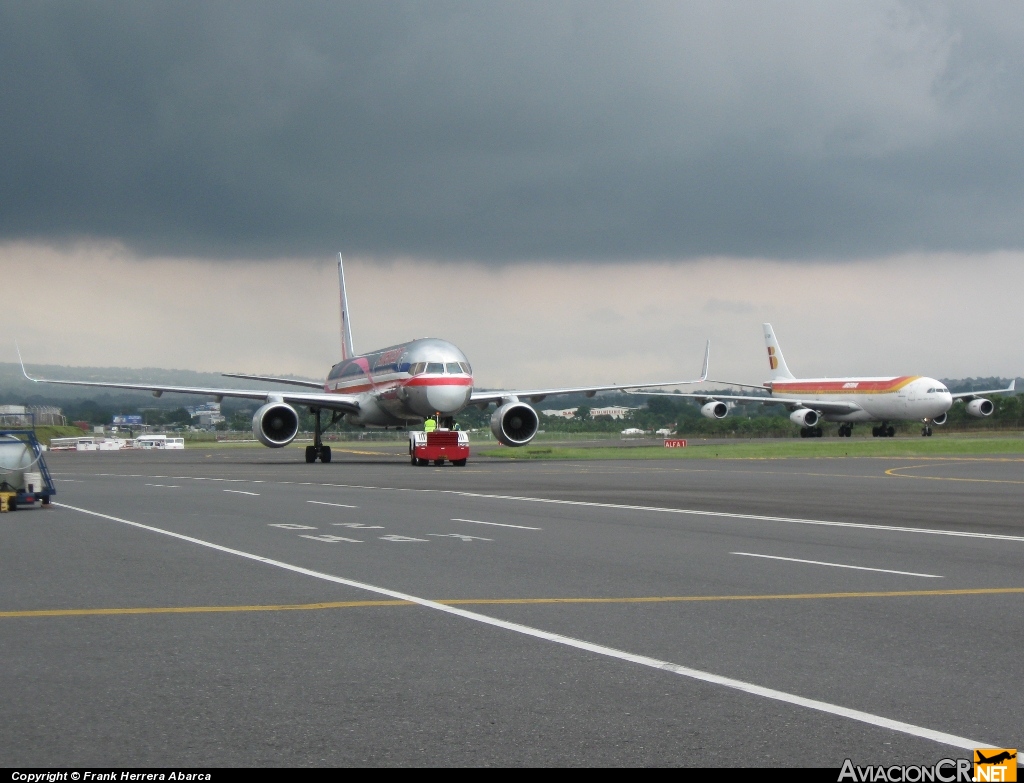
(939, 420)
(714, 410)
(980, 408)
(514, 424)
(805, 417)
(275, 424)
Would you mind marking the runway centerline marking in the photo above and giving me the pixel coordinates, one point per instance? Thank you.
(165, 486)
(836, 565)
(339, 505)
(496, 524)
(579, 644)
(241, 492)
(659, 599)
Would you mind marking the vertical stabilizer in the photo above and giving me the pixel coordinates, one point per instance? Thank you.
(347, 351)
(779, 370)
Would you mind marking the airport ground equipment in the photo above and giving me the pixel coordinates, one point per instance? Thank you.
(438, 446)
(24, 477)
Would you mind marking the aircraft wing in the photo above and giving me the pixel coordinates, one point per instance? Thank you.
(792, 403)
(536, 395)
(293, 381)
(968, 396)
(337, 402)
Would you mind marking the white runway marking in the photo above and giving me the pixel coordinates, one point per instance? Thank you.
(496, 524)
(579, 644)
(404, 539)
(731, 515)
(837, 565)
(290, 526)
(460, 536)
(357, 525)
(339, 505)
(166, 486)
(241, 492)
(590, 504)
(333, 539)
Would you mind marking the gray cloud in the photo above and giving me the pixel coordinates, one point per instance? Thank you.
(503, 131)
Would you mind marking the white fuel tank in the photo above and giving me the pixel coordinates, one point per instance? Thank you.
(15, 458)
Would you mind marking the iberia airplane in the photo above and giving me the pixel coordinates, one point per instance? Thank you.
(848, 400)
(393, 387)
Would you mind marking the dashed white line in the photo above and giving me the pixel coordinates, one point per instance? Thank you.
(579, 644)
(496, 524)
(166, 486)
(240, 492)
(333, 539)
(339, 505)
(837, 565)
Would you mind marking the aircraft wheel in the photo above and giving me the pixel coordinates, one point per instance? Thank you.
(310, 453)
(325, 454)
(891, 432)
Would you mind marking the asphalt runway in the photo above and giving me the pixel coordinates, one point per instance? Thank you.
(240, 607)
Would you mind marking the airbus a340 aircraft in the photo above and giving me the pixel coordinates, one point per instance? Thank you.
(847, 400)
(393, 387)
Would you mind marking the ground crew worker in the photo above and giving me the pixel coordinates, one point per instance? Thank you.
(430, 425)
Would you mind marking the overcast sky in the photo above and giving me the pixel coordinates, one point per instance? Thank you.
(849, 171)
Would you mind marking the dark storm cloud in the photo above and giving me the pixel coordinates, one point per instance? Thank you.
(513, 130)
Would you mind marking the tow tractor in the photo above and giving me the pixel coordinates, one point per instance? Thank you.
(24, 477)
(439, 445)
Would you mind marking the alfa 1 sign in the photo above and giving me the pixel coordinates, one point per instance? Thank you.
(675, 443)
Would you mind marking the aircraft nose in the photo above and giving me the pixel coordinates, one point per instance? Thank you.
(448, 399)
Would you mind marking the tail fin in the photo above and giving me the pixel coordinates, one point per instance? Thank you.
(775, 361)
(347, 351)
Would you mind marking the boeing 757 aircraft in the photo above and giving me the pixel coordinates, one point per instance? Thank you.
(847, 400)
(393, 387)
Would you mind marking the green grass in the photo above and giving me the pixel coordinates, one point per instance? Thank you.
(882, 447)
(46, 433)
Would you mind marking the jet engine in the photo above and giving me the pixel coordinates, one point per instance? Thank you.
(939, 420)
(275, 424)
(514, 424)
(714, 410)
(805, 417)
(980, 408)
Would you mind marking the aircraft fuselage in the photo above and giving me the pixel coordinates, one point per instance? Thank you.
(404, 383)
(880, 399)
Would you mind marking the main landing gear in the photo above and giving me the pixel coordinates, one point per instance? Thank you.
(845, 430)
(884, 431)
(318, 450)
(811, 432)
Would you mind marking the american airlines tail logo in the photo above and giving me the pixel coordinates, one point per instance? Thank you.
(773, 362)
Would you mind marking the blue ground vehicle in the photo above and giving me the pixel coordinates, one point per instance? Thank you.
(24, 477)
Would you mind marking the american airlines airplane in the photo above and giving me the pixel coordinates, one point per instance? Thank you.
(393, 387)
(847, 400)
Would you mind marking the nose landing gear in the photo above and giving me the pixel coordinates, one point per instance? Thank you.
(926, 431)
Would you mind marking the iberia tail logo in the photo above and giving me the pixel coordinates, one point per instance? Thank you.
(773, 362)
(995, 764)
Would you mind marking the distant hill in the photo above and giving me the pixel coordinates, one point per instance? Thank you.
(15, 389)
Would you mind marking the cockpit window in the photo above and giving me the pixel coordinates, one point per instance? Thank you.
(435, 367)
(466, 368)
(453, 368)
(418, 368)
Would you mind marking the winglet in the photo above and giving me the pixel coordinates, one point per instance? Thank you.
(707, 357)
(22, 362)
(1013, 385)
(347, 351)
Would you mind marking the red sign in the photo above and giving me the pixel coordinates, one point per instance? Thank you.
(675, 443)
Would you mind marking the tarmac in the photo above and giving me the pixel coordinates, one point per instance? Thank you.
(240, 607)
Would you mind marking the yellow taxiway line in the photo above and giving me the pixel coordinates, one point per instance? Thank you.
(507, 601)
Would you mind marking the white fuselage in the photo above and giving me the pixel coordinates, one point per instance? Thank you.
(905, 397)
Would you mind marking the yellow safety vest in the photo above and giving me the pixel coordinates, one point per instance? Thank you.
(429, 425)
